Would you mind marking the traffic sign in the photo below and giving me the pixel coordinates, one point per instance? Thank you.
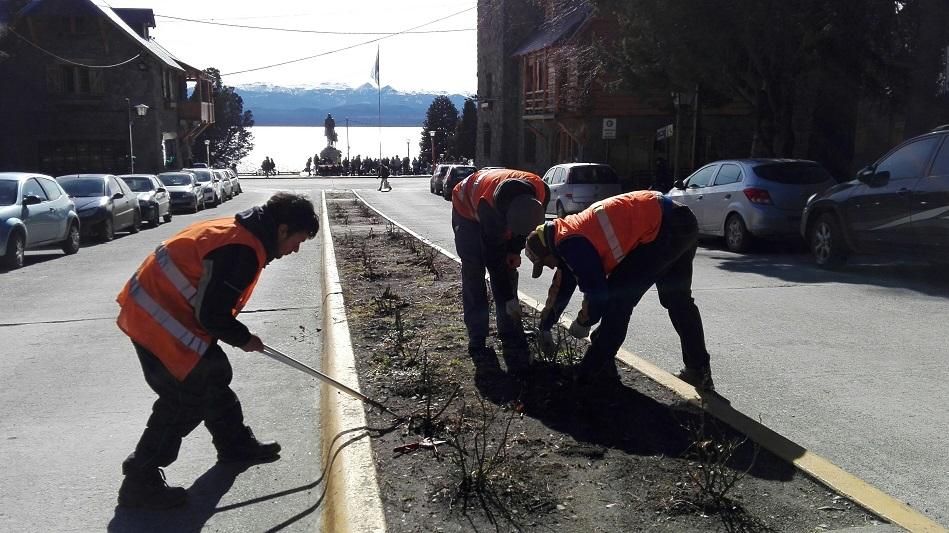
(609, 128)
(664, 132)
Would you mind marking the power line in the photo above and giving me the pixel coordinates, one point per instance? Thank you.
(71, 62)
(348, 47)
(295, 30)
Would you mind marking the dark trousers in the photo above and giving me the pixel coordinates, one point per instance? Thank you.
(666, 263)
(204, 396)
(474, 294)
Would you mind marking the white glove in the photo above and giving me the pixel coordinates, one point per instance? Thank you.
(547, 345)
(578, 330)
(513, 308)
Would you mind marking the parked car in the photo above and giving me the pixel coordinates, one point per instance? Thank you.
(438, 179)
(34, 212)
(453, 177)
(575, 186)
(153, 199)
(184, 191)
(745, 199)
(235, 181)
(226, 191)
(212, 185)
(104, 203)
(896, 206)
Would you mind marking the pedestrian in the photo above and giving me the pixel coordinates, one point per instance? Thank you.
(662, 180)
(308, 168)
(615, 250)
(181, 302)
(265, 166)
(384, 178)
(273, 167)
(492, 213)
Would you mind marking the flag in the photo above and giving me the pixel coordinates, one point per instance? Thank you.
(375, 69)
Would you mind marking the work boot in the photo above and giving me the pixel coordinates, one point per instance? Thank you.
(518, 360)
(700, 379)
(147, 489)
(246, 447)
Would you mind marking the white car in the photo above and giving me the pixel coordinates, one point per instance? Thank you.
(575, 186)
(213, 191)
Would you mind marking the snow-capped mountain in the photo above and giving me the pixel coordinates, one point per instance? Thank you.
(308, 105)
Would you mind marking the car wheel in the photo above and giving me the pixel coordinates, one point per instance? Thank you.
(136, 223)
(156, 220)
(71, 244)
(168, 216)
(431, 188)
(737, 237)
(826, 243)
(107, 230)
(561, 212)
(16, 250)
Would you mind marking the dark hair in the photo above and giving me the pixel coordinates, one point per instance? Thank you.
(294, 210)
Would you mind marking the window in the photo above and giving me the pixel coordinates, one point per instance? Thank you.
(530, 146)
(559, 175)
(32, 188)
(8, 190)
(486, 141)
(53, 192)
(702, 177)
(114, 187)
(593, 174)
(909, 161)
(941, 164)
(74, 80)
(728, 174)
(797, 173)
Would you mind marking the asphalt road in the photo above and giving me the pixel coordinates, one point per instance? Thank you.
(851, 364)
(73, 401)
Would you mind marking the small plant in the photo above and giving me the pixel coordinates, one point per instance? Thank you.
(428, 261)
(392, 231)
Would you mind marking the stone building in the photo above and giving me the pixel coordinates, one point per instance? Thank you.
(72, 78)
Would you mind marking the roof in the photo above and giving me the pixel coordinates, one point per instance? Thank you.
(558, 30)
(136, 15)
(149, 45)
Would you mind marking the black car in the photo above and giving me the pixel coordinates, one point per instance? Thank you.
(453, 177)
(104, 202)
(896, 206)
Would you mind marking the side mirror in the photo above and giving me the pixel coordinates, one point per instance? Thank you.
(866, 174)
(32, 199)
(118, 195)
(161, 189)
(679, 184)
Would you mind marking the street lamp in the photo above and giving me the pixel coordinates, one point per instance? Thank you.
(207, 146)
(431, 134)
(140, 111)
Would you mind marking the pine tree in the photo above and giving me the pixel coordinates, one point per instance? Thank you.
(442, 118)
(229, 135)
(467, 133)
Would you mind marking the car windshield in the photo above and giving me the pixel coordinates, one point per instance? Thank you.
(462, 172)
(83, 187)
(139, 184)
(796, 173)
(175, 179)
(203, 176)
(593, 174)
(8, 192)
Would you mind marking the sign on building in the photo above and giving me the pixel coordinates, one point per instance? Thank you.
(664, 132)
(609, 128)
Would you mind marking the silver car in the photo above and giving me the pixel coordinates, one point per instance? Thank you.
(226, 191)
(153, 199)
(185, 192)
(742, 199)
(213, 192)
(575, 186)
(34, 212)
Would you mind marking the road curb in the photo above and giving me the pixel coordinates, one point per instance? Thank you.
(837, 479)
(352, 501)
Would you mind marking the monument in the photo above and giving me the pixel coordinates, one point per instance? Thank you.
(330, 154)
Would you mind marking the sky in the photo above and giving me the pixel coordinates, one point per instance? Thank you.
(436, 62)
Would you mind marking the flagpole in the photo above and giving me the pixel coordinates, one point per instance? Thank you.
(379, 86)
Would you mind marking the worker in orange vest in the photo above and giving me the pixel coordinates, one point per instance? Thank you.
(492, 213)
(178, 305)
(615, 250)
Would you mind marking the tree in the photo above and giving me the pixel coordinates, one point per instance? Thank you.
(442, 118)
(8, 10)
(756, 51)
(230, 139)
(466, 134)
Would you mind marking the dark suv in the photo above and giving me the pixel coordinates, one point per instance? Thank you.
(896, 206)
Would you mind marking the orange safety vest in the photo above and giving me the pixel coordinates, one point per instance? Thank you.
(481, 186)
(615, 226)
(158, 301)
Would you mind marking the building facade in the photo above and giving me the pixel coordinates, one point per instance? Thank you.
(75, 77)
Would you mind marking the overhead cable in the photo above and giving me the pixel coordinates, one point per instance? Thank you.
(296, 30)
(71, 62)
(347, 47)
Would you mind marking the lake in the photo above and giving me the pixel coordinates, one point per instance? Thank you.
(290, 146)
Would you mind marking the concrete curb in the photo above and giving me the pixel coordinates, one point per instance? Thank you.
(837, 479)
(351, 501)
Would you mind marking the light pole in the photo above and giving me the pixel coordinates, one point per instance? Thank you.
(207, 146)
(431, 134)
(140, 110)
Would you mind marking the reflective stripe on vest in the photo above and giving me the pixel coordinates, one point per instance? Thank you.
(615, 247)
(166, 321)
(174, 275)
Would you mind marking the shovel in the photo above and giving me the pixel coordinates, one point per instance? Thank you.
(273, 353)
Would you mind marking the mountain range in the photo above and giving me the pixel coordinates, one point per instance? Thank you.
(308, 106)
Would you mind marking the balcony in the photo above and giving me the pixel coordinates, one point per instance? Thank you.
(202, 112)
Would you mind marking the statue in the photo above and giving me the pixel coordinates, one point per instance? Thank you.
(329, 130)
